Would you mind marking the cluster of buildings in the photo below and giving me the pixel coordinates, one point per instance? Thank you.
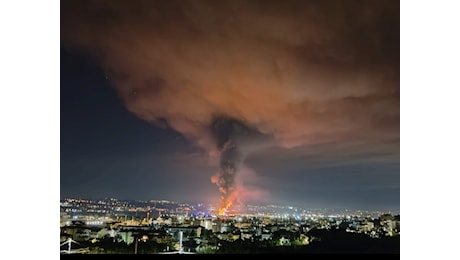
(172, 225)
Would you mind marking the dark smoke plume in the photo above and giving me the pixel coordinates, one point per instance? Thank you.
(228, 132)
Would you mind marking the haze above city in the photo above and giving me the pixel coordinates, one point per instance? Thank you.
(229, 102)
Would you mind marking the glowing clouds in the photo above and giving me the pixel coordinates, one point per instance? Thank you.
(291, 69)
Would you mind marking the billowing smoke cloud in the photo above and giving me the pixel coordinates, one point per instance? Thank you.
(300, 72)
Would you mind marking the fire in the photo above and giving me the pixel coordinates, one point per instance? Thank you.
(223, 210)
(227, 203)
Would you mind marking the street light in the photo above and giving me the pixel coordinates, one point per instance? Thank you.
(144, 238)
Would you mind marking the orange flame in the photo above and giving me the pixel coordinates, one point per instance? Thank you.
(223, 210)
(227, 203)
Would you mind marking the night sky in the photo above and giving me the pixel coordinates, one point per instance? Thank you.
(284, 102)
